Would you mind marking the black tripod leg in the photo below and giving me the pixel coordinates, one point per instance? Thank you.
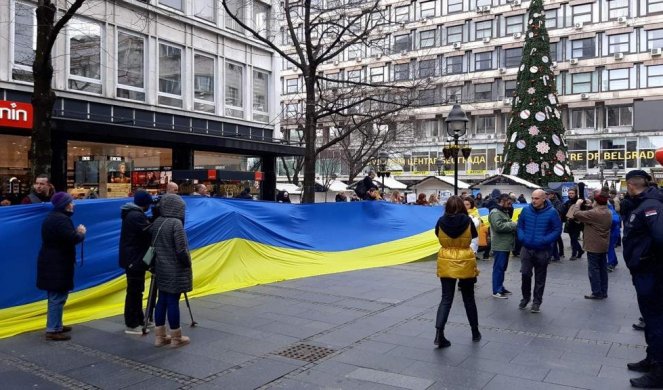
(186, 298)
(148, 310)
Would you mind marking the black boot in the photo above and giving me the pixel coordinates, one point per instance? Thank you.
(440, 340)
(476, 335)
(651, 380)
(643, 365)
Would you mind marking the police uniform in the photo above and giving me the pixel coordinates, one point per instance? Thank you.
(643, 254)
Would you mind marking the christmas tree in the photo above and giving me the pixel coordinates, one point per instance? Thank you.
(535, 148)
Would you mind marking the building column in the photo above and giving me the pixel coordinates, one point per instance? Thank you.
(268, 187)
(59, 161)
(182, 158)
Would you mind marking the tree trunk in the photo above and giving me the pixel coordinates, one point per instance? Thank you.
(310, 135)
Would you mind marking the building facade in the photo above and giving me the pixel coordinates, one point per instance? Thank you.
(144, 88)
(607, 61)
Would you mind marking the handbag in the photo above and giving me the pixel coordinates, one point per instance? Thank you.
(151, 253)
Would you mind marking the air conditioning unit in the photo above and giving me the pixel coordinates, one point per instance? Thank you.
(486, 40)
(656, 52)
(502, 70)
(507, 101)
(489, 136)
(622, 20)
(554, 64)
(457, 46)
(336, 62)
(579, 25)
(516, 3)
(377, 56)
(619, 56)
(485, 8)
(403, 52)
(573, 61)
(571, 132)
(358, 59)
(425, 20)
(517, 35)
(584, 96)
(402, 24)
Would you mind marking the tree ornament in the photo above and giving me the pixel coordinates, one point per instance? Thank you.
(560, 156)
(521, 144)
(542, 147)
(555, 139)
(532, 168)
(515, 167)
(531, 90)
(540, 116)
(533, 130)
(524, 114)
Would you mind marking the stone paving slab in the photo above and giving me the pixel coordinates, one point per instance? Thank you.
(378, 327)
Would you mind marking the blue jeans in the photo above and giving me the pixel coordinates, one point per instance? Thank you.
(168, 304)
(576, 249)
(597, 268)
(56, 301)
(500, 262)
(612, 256)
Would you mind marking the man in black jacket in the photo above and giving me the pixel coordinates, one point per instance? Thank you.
(573, 228)
(134, 241)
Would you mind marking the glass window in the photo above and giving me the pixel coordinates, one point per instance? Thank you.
(617, 8)
(260, 93)
(583, 48)
(377, 74)
(203, 83)
(426, 68)
(513, 57)
(355, 51)
(291, 110)
(454, 34)
(618, 79)
(402, 14)
(427, 9)
(130, 66)
(654, 39)
(170, 75)
(426, 39)
(581, 82)
(378, 47)
(553, 51)
(619, 115)
(484, 124)
(655, 76)
(454, 65)
(354, 76)
(454, 94)
(483, 92)
(582, 118)
(483, 61)
(177, 4)
(401, 71)
(482, 3)
(514, 24)
(484, 29)
(292, 85)
(261, 17)
(618, 43)
(205, 9)
(234, 90)
(402, 43)
(654, 6)
(551, 19)
(510, 88)
(25, 41)
(236, 8)
(427, 97)
(582, 13)
(454, 6)
(84, 55)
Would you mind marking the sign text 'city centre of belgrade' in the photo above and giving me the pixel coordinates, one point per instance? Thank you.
(15, 114)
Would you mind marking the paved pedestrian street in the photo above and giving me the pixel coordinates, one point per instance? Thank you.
(369, 329)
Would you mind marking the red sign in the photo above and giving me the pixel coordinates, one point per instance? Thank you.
(211, 174)
(258, 176)
(14, 114)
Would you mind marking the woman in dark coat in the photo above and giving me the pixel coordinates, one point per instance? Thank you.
(172, 269)
(55, 264)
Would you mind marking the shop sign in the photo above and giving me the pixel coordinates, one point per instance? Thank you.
(14, 114)
(211, 174)
(115, 158)
(85, 158)
(258, 176)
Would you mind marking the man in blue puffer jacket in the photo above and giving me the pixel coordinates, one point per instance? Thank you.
(539, 227)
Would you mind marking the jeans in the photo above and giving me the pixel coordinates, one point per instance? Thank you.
(649, 289)
(612, 255)
(576, 249)
(597, 268)
(537, 260)
(448, 290)
(500, 262)
(168, 304)
(558, 249)
(517, 246)
(133, 301)
(56, 301)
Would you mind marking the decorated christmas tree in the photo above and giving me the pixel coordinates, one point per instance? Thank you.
(535, 148)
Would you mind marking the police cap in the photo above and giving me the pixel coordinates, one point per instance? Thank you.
(638, 173)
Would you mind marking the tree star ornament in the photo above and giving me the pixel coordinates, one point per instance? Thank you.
(531, 90)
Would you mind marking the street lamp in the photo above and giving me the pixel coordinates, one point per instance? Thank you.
(615, 171)
(456, 128)
(383, 159)
(601, 168)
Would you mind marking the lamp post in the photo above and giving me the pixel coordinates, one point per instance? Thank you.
(383, 159)
(407, 156)
(615, 171)
(601, 168)
(456, 128)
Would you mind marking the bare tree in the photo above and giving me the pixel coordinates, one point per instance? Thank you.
(361, 149)
(317, 34)
(43, 97)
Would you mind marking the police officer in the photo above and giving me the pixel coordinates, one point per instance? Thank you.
(643, 251)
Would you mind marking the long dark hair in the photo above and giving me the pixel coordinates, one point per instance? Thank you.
(455, 205)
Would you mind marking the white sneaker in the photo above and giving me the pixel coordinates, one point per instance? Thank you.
(500, 296)
(137, 330)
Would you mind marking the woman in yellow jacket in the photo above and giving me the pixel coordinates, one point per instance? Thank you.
(456, 260)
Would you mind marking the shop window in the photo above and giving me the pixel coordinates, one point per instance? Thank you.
(483, 61)
(581, 82)
(619, 116)
(514, 24)
(454, 6)
(426, 68)
(426, 39)
(484, 124)
(655, 76)
(454, 94)
(483, 29)
(402, 43)
(84, 55)
(510, 88)
(454, 34)
(234, 90)
(551, 19)
(377, 74)
(261, 17)
(205, 9)
(25, 41)
(203, 83)
(483, 92)
(402, 14)
(618, 43)
(582, 118)
(401, 71)
(616, 80)
(654, 6)
(582, 13)
(176, 4)
(454, 65)
(260, 96)
(654, 39)
(583, 48)
(170, 75)
(236, 8)
(513, 57)
(130, 66)
(427, 9)
(617, 8)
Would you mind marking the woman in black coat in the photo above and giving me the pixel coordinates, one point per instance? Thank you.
(55, 264)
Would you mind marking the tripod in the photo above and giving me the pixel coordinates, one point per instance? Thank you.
(151, 299)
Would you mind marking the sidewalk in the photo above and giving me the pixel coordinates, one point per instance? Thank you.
(369, 329)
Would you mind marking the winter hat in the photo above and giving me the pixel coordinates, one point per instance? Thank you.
(60, 200)
(602, 197)
(142, 198)
(638, 173)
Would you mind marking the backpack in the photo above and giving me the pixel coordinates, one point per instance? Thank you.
(361, 189)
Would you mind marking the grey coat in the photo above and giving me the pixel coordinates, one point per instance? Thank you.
(173, 261)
